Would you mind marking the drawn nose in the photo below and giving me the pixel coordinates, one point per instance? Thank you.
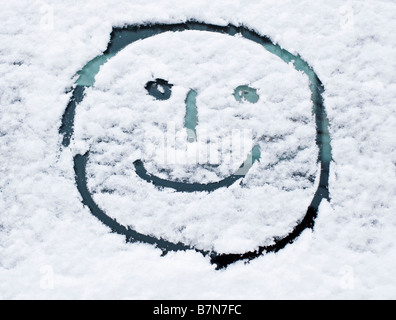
(191, 119)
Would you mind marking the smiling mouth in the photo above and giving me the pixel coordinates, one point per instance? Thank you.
(253, 156)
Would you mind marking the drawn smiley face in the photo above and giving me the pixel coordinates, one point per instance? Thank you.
(201, 137)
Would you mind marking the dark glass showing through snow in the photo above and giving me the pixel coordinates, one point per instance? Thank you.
(160, 89)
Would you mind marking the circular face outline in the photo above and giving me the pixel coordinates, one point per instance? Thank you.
(122, 37)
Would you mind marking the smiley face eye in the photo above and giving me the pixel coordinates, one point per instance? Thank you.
(159, 89)
(246, 93)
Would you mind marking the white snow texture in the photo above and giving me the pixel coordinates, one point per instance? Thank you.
(52, 247)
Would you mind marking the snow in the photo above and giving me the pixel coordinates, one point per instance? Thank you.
(119, 123)
(52, 247)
